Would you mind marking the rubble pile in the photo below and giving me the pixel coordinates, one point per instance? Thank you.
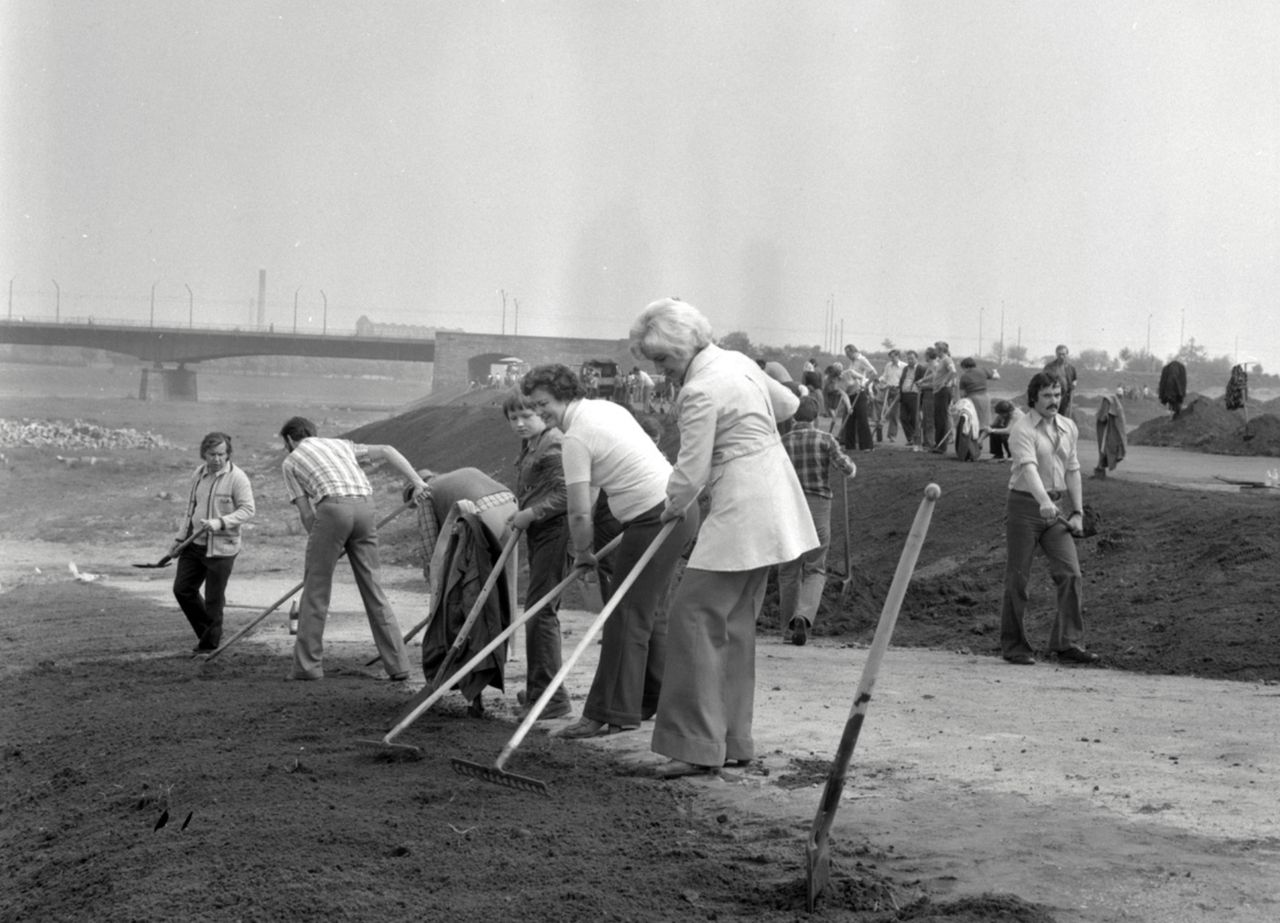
(75, 435)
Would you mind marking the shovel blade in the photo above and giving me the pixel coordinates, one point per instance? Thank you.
(817, 868)
(500, 777)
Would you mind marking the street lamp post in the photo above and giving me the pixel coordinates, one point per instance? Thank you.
(979, 352)
(57, 303)
(325, 322)
(191, 307)
(295, 309)
(153, 301)
(11, 298)
(516, 329)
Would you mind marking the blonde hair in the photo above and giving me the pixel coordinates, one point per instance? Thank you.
(669, 327)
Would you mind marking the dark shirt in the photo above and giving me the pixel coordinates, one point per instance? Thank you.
(540, 476)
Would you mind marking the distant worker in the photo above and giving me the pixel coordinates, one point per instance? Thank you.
(1066, 373)
(1046, 472)
(334, 500)
(813, 452)
(219, 502)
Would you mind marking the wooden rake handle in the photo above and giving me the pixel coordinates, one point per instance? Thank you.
(615, 598)
(884, 631)
(287, 596)
(440, 691)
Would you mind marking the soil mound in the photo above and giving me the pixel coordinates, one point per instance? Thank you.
(1206, 425)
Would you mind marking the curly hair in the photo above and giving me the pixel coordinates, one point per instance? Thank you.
(298, 428)
(1039, 381)
(558, 380)
(670, 327)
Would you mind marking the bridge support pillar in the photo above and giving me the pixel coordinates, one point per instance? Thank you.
(161, 384)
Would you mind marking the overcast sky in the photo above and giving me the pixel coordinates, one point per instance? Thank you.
(1087, 170)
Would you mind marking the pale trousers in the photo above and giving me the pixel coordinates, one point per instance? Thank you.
(801, 582)
(344, 524)
(708, 690)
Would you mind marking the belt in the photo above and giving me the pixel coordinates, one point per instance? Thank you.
(1054, 495)
(495, 499)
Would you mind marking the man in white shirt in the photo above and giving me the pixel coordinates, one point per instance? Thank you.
(1046, 471)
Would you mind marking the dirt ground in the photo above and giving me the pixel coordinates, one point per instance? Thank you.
(139, 784)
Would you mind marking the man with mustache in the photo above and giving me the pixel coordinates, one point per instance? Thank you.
(1045, 473)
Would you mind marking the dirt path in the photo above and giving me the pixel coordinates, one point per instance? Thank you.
(1106, 795)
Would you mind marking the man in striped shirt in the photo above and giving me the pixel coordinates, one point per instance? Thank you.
(335, 502)
(800, 582)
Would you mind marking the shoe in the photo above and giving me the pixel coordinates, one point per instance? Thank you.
(585, 727)
(799, 632)
(398, 677)
(1077, 655)
(676, 769)
(304, 677)
(1022, 660)
(737, 764)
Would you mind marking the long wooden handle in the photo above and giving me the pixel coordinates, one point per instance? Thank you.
(440, 691)
(287, 596)
(615, 599)
(884, 631)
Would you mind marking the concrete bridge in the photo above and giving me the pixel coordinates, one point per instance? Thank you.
(458, 358)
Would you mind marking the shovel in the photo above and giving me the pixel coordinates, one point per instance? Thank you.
(817, 850)
(427, 698)
(164, 562)
(287, 596)
(496, 773)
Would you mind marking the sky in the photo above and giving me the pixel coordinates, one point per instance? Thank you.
(1099, 174)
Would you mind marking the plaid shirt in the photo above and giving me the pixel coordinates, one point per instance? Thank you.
(319, 468)
(813, 451)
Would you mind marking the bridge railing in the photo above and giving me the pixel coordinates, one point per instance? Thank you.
(266, 329)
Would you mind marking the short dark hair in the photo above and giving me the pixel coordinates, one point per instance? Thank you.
(807, 411)
(968, 362)
(1038, 382)
(213, 439)
(558, 380)
(515, 400)
(298, 428)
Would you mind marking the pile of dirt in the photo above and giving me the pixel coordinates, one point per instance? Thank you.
(76, 434)
(1206, 425)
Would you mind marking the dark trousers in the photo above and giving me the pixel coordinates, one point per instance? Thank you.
(548, 553)
(1000, 445)
(857, 430)
(1025, 531)
(926, 417)
(941, 415)
(909, 415)
(633, 653)
(204, 613)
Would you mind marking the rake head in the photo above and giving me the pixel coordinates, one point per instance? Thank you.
(389, 751)
(500, 777)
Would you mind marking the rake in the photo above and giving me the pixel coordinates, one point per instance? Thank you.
(847, 583)
(495, 773)
(817, 849)
(164, 562)
(430, 696)
(287, 596)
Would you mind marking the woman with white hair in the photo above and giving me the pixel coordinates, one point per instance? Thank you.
(728, 410)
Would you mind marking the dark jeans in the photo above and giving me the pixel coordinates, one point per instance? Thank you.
(548, 553)
(1000, 445)
(633, 653)
(857, 431)
(204, 613)
(1025, 531)
(926, 418)
(909, 414)
(941, 416)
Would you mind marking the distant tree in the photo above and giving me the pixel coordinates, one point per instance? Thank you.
(997, 352)
(887, 344)
(1016, 353)
(1095, 360)
(738, 340)
(1192, 353)
(1256, 370)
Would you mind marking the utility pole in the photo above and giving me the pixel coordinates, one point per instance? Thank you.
(57, 305)
(978, 354)
(153, 301)
(516, 328)
(295, 308)
(1003, 348)
(503, 292)
(325, 322)
(1148, 337)
(191, 307)
(1182, 333)
(11, 298)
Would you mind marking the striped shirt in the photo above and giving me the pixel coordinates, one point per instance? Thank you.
(319, 468)
(812, 452)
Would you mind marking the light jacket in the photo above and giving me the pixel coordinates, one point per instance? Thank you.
(728, 411)
(231, 501)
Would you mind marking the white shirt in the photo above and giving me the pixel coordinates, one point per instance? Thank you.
(605, 447)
